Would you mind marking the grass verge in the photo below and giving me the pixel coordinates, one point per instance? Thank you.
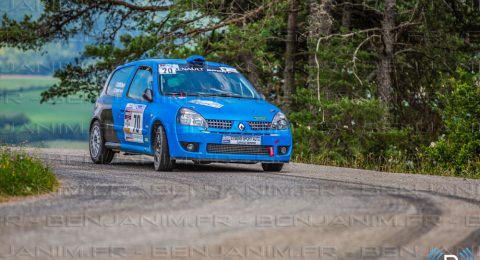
(418, 166)
(23, 175)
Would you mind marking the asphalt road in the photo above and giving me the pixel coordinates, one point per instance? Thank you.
(126, 210)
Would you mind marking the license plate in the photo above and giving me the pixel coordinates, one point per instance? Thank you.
(245, 140)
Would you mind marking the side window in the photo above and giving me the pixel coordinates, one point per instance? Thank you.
(143, 79)
(119, 81)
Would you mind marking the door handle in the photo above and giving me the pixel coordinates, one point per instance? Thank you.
(122, 110)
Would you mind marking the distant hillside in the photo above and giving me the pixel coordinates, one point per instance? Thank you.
(53, 57)
(23, 120)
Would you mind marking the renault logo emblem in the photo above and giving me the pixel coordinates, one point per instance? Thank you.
(241, 127)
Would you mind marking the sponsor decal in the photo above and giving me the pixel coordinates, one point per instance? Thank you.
(167, 68)
(260, 117)
(133, 121)
(228, 70)
(118, 89)
(120, 85)
(242, 140)
(207, 103)
(183, 68)
(222, 70)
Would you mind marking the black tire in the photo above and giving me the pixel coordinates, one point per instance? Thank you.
(161, 155)
(96, 145)
(272, 167)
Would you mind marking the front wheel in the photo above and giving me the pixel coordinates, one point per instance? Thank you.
(98, 152)
(272, 167)
(161, 156)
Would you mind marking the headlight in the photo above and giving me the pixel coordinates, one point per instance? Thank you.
(280, 122)
(189, 117)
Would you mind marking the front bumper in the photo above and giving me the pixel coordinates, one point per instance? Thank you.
(269, 138)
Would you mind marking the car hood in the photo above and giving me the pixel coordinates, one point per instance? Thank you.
(229, 108)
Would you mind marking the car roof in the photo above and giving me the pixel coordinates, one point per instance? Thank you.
(169, 61)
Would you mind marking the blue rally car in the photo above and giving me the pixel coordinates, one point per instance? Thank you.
(187, 110)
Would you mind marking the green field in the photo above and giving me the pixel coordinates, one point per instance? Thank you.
(17, 82)
(71, 111)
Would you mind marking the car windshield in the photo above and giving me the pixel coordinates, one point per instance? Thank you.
(204, 81)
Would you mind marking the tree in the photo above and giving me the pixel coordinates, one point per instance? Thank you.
(385, 89)
(320, 24)
(290, 53)
(157, 33)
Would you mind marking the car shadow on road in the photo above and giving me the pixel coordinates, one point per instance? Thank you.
(191, 167)
(216, 167)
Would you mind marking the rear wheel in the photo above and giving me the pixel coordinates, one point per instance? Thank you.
(98, 152)
(161, 156)
(272, 167)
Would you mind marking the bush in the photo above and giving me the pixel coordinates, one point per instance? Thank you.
(22, 175)
(346, 132)
(458, 149)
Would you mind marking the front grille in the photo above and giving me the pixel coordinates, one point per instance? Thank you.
(259, 125)
(224, 124)
(238, 149)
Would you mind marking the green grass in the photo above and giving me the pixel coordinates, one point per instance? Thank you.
(418, 166)
(23, 175)
(61, 144)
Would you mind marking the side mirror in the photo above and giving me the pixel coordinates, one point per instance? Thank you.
(148, 95)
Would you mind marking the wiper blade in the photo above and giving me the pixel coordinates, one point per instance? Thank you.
(182, 94)
(223, 95)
